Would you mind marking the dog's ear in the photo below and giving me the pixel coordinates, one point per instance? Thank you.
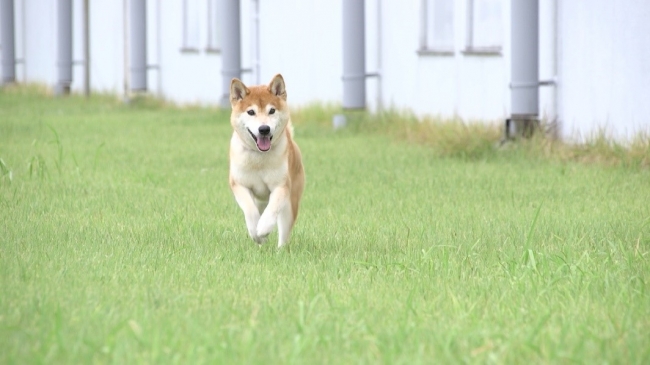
(237, 90)
(277, 87)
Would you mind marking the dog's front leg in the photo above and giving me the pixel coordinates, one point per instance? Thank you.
(277, 201)
(244, 199)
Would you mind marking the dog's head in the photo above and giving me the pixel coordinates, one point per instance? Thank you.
(259, 113)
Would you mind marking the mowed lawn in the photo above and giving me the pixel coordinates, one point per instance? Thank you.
(120, 243)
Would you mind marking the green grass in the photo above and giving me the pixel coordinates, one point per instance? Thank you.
(120, 243)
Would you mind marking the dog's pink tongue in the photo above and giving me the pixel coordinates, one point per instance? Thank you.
(263, 143)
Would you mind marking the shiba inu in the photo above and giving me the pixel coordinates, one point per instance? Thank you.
(267, 177)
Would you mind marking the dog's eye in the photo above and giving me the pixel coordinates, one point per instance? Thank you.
(251, 112)
(272, 111)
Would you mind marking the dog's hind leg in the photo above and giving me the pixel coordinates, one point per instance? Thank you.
(285, 224)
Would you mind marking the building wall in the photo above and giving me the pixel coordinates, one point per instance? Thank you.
(106, 46)
(302, 40)
(185, 77)
(38, 42)
(596, 50)
(604, 67)
(460, 84)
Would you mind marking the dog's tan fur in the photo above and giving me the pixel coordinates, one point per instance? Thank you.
(267, 180)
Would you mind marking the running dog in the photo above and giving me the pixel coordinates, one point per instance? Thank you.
(267, 177)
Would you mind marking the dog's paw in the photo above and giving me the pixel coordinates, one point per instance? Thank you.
(259, 240)
(252, 232)
(265, 226)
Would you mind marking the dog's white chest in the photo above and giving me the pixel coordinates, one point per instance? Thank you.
(254, 181)
(259, 176)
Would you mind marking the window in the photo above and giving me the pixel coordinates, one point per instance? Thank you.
(484, 27)
(190, 26)
(214, 38)
(437, 27)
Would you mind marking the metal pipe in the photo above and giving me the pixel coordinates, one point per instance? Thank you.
(354, 55)
(23, 30)
(138, 54)
(525, 59)
(86, 48)
(125, 34)
(469, 38)
(556, 70)
(256, 41)
(64, 54)
(229, 19)
(7, 40)
(158, 43)
(380, 105)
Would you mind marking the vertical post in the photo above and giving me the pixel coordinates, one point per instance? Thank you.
(380, 40)
(86, 48)
(354, 55)
(255, 44)
(64, 55)
(469, 39)
(7, 41)
(525, 59)
(125, 45)
(229, 20)
(138, 56)
(158, 48)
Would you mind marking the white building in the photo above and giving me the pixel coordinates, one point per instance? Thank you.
(435, 57)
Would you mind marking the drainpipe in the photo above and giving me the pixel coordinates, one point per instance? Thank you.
(138, 54)
(158, 49)
(380, 97)
(524, 67)
(229, 20)
(255, 51)
(125, 50)
(525, 82)
(64, 55)
(354, 59)
(354, 55)
(7, 41)
(525, 58)
(555, 82)
(86, 48)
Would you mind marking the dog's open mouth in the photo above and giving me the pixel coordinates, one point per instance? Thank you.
(263, 142)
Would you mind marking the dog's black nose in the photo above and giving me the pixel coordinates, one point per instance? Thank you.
(264, 130)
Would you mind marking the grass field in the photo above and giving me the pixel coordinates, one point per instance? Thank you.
(120, 243)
